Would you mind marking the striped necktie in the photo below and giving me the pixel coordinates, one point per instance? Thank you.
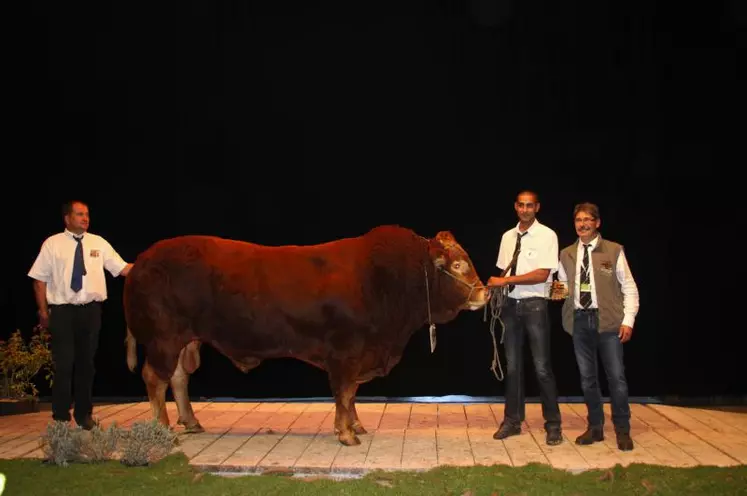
(585, 293)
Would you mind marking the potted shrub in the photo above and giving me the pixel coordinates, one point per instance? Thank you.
(20, 362)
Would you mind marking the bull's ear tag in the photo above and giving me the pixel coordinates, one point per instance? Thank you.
(432, 332)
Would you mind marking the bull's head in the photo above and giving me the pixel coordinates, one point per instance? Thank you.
(458, 286)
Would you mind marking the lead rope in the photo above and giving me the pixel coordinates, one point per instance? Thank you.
(428, 297)
(497, 296)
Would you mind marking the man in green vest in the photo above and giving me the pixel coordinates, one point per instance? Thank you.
(599, 314)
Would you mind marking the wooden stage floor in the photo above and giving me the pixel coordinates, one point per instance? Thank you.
(254, 437)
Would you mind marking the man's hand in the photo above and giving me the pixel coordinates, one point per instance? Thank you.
(43, 319)
(126, 270)
(497, 281)
(626, 332)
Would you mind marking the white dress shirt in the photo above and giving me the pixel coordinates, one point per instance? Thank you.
(539, 250)
(624, 276)
(54, 265)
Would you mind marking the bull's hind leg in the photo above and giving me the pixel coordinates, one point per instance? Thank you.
(189, 360)
(156, 393)
(343, 384)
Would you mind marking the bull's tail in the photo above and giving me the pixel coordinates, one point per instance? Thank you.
(131, 351)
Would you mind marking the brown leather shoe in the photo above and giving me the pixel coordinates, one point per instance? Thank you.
(624, 441)
(593, 434)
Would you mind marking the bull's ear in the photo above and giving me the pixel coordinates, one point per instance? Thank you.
(437, 251)
(446, 238)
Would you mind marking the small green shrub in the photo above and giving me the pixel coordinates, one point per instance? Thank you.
(144, 444)
(100, 445)
(61, 443)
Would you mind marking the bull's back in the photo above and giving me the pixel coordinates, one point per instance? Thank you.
(212, 286)
(169, 283)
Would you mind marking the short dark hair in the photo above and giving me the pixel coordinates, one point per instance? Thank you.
(67, 207)
(587, 207)
(528, 192)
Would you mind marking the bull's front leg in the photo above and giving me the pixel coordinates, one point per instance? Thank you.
(343, 385)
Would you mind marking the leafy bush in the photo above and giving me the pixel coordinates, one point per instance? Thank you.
(21, 362)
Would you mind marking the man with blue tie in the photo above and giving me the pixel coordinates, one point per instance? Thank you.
(69, 287)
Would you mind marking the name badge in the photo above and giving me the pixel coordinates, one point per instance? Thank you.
(585, 287)
(94, 253)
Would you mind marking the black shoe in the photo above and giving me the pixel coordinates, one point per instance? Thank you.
(554, 437)
(87, 424)
(507, 430)
(592, 435)
(624, 441)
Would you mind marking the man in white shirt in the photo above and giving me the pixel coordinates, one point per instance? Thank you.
(599, 313)
(528, 257)
(69, 287)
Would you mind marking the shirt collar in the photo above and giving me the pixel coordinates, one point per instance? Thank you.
(535, 225)
(592, 244)
(70, 235)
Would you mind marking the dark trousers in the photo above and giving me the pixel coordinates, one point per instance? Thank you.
(75, 338)
(587, 343)
(529, 318)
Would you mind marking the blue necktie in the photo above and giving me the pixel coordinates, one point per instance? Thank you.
(79, 267)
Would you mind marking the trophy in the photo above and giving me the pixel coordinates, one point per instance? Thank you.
(556, 290)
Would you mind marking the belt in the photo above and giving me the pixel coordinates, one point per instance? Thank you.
(56, 305)
(586, 310)
(528, 298)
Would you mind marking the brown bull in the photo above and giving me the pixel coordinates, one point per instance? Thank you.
(348, 307)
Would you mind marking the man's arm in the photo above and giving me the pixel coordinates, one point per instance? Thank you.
(40, 273)
(536, 276)
(40, 295)
(114, 263)
(629, 290)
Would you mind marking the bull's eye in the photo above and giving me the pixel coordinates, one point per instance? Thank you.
(456, 265)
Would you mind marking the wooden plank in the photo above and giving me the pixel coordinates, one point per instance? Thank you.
(419, 449)
(563, 455)
(454, 448)
(302, 431)
(271, 430)
(485, 449)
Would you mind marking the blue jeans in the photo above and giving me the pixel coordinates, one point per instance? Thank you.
(587, 342)
(529, 318)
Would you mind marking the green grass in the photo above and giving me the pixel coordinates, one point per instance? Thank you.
(174, 476)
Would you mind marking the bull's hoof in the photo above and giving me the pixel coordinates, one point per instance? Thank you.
(349, 439)
(194, 428)
(359, 429)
